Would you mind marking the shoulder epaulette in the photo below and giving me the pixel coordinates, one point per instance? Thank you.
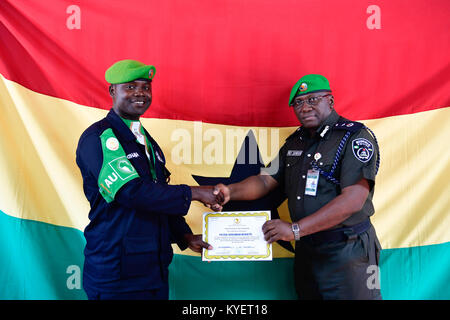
(348, 125)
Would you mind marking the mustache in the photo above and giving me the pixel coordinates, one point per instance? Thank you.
(140, 99)
(312, 114)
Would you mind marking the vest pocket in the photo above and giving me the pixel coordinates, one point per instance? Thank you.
(139, 257)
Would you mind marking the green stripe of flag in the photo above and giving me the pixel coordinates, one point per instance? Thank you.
(40, 261)
(416, 272)
(192, 278)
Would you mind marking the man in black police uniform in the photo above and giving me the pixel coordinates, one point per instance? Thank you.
(327, 170)
(135, 215)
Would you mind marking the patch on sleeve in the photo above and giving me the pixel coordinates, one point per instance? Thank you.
(116, 170)
(362, 149)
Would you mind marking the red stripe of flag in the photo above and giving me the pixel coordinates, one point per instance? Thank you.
(234, 62)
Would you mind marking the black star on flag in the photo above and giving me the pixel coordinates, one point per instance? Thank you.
(244, 169)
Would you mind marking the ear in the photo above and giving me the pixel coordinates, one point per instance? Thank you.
(112, 90)
(331, 102)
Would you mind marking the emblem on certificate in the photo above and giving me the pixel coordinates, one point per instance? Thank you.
(236, 236)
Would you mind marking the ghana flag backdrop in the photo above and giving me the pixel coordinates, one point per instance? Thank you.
(224, 73)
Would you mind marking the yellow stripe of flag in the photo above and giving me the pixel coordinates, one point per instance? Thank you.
(40, 180)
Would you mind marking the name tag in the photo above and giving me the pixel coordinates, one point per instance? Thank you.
(312, 181)
(294, 153)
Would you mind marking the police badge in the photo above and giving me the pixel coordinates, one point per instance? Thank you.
(362, 149)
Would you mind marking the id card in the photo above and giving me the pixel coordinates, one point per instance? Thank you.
(312, 181)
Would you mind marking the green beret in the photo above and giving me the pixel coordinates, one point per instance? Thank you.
(308, 84)
(129, 70)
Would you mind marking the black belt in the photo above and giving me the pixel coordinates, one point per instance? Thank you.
(339, 234)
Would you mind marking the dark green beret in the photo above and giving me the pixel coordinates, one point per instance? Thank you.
(129, 70)
(308, 84)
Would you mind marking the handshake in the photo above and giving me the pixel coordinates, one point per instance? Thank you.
(214, 197)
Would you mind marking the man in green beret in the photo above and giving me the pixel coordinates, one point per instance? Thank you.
(135, 214)
(327, 170)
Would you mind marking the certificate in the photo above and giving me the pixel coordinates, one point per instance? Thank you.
(236, 236)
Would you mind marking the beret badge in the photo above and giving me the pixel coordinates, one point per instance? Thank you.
(303, 87)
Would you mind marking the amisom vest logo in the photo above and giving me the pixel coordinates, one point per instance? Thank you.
(122, 167)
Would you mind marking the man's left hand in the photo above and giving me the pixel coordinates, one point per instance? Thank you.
(196, 243)
(277, 229)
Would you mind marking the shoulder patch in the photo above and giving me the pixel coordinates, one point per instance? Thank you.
(362, 149)
(116, 169)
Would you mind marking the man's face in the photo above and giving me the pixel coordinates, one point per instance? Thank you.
(311, 115)
(131, 99)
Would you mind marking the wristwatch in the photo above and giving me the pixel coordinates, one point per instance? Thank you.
(296, 231)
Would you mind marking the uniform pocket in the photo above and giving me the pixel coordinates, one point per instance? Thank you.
(362, 247)
(139, 257)
(326, 161)
(290, 168)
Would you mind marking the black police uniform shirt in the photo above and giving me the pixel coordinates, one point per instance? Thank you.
(358, 159)
(128, 238)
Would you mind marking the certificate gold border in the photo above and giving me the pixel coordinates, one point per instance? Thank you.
(237, 214)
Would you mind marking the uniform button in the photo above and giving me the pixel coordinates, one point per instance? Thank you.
(308, 155)
(321, 163)
(298, 197)
(303, 176)
(288, 165)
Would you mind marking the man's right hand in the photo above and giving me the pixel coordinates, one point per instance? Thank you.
(206, 195)
(252, 188)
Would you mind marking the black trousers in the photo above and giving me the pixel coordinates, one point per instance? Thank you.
(338, 270)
